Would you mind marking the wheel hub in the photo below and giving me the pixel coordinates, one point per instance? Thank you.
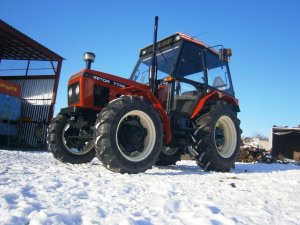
(220, 138)
(136, 135)
(77, 139)
(132, 134)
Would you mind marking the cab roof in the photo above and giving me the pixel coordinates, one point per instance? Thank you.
(174, 38)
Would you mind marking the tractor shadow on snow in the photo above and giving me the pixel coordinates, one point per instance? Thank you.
(177, 170)
(188, 167)
(239, 168)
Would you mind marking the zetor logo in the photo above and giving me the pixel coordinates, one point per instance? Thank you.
(102, 79)
(109, 81)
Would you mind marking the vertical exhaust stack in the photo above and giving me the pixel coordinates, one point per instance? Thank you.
(153, 69)
(89, 58)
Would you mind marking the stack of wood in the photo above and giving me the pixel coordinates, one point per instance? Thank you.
(250, 152)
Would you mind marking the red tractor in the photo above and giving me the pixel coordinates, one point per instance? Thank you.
(179, 99)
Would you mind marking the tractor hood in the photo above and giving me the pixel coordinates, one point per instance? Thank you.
(108, 79)
(93, 89)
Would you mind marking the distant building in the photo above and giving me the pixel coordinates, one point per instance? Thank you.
(285, 141)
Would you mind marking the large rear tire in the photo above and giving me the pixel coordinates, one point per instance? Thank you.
(217, 138)
(128, 135)
(70, 140)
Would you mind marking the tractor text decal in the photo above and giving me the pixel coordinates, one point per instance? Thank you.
(104, 80)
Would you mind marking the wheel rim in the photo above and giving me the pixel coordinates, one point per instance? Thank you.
(168, 150)
(225, 136)
(76, 147)
(136, 136)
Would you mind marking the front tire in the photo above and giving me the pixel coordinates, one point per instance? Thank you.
(69, 141)
(217, 138)
(128, 135)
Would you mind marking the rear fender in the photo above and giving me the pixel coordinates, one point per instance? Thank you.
(216, 95)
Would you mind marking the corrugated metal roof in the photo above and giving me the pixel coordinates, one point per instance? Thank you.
(16, 45)
(286, 128)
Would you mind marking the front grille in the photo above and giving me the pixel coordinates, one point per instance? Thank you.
(73, 98)
(101, 95)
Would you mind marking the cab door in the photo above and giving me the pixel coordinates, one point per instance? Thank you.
(188, 86)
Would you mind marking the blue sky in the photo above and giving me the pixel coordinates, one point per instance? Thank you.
(264, 37)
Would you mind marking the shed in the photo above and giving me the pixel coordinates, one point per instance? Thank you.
(36, 69)
(286, 141)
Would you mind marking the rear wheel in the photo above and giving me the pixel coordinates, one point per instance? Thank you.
(169, 156)
(217, 138)
(128, 135)
(70, 139)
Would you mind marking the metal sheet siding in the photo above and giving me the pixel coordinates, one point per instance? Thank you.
(35, 110)
(36, 98)
(27, 135)
(35, 89)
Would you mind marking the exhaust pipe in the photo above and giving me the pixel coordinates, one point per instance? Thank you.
(153, 69)
(89, 58)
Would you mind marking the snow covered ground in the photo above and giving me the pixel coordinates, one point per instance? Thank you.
(37, 189)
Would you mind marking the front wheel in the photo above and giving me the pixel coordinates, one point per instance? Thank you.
(128, 135)
(70, 139)
(169, 156)
(217, 138)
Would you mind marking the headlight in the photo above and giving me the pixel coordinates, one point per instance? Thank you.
(77, 90)
(73, 93)
(70, 92)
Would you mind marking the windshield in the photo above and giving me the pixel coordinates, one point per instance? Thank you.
(165, 61)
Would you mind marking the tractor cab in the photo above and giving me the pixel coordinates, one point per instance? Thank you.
(187, 69)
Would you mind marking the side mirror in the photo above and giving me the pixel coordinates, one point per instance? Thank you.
(224, 54)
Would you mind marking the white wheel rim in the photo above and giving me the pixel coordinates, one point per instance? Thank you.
(229, 140)
(149, 140)
(74, 150)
